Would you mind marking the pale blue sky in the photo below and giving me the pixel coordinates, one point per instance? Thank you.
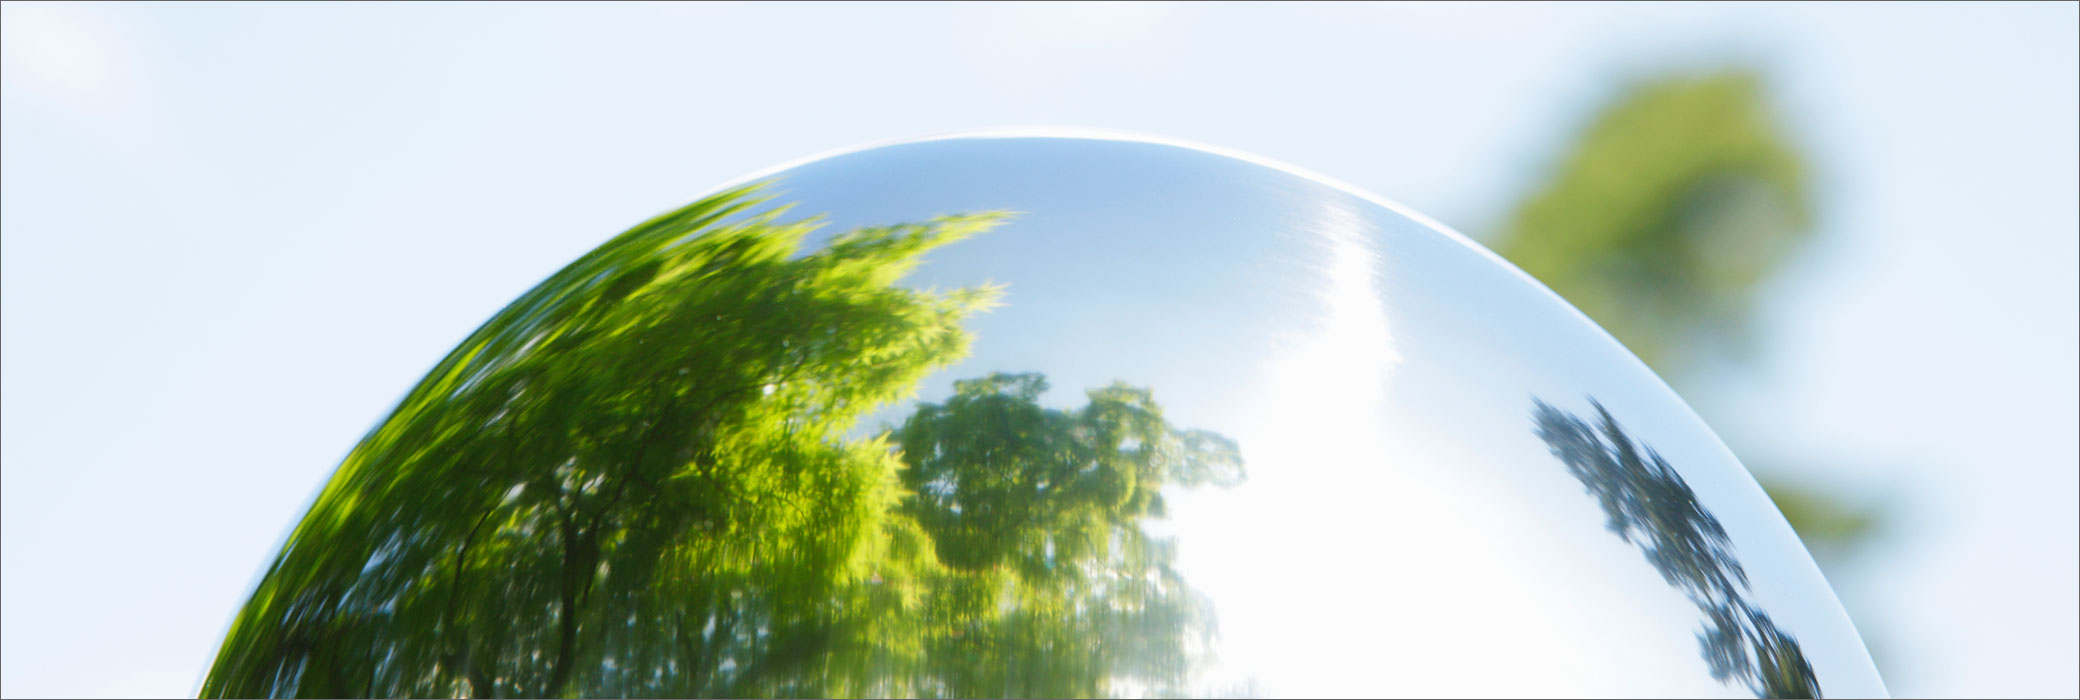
(235, 234)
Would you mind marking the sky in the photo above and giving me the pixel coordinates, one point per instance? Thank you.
(232, 236)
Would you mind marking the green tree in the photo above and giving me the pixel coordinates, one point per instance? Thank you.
(1669, 211)
(630, 480)
(634, 481)
(1050, 505)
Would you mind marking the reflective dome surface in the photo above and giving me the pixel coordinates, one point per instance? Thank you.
(1049, 417)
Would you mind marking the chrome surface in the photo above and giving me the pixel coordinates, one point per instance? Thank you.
(1058, 417)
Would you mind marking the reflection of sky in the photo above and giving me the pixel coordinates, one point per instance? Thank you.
(1114, 302)
(235, 234)
(1400, 516)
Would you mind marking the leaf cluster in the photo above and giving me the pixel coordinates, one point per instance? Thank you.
(635, 480)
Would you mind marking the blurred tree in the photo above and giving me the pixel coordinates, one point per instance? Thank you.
(1671, 207)
(1661, 222)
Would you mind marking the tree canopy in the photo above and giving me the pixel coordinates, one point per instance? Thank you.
(1662, 220)
(1666, 214)
(1048, 505)
(634, 480)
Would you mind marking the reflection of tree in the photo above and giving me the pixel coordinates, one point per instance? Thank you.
(1669, 212)
(1048, 504)
(632, 481)
(1650, 505)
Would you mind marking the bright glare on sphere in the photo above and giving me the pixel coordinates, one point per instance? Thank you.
(1041, 416)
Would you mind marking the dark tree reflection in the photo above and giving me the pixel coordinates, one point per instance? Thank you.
(1048, 505)
(634, 481)
(1650, 506)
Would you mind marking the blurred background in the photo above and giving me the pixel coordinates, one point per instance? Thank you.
(235, 234)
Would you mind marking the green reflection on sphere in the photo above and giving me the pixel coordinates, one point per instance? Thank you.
(636, 480)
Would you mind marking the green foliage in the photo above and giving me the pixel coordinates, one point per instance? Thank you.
(663, 413)
(1049, 504)
(998, 479)
(1823, 520)
(1662, 221)
(634, 481)
(1666, 214)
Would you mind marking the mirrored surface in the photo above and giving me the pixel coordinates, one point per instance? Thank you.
(1054, 417)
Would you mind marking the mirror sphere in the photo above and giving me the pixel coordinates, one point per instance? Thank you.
(1041, 416)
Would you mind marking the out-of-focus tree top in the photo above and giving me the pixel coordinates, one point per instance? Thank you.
(1670, 208)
